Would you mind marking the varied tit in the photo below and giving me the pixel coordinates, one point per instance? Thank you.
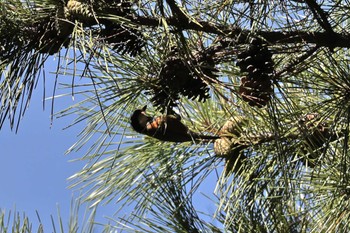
(165, 128)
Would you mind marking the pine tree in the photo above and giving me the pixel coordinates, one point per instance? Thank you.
(271, 78)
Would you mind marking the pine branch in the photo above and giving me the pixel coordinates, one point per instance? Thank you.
(242, 35)
(181, 16)
(320, 16)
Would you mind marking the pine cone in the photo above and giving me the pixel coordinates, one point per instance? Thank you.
(228, 146)
(81, 11)
(256, 85)
(177, 78)
(124, 40)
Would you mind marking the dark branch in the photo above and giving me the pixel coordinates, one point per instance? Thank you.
(177, 12)
(241, 35)
(320, 15)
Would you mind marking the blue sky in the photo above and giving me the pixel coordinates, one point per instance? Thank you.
(34, 169)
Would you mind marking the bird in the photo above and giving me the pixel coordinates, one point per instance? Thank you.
(165, 128)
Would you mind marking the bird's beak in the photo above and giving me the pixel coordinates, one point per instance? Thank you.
(144, 108)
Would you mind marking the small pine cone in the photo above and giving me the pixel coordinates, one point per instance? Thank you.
(80, 11)
(226, 148)
(223, 147)
(232, 127)
(228, 145)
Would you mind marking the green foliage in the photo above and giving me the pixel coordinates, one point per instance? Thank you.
(16, 222)
(19, 224)
(293, 146)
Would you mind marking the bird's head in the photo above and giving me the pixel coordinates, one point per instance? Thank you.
(139, 120)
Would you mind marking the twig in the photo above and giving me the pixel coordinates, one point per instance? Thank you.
(297, 61)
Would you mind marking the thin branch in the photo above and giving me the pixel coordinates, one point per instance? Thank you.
(290, 67)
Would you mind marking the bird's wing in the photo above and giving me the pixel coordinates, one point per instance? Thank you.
(173, 124)
(182, 131)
